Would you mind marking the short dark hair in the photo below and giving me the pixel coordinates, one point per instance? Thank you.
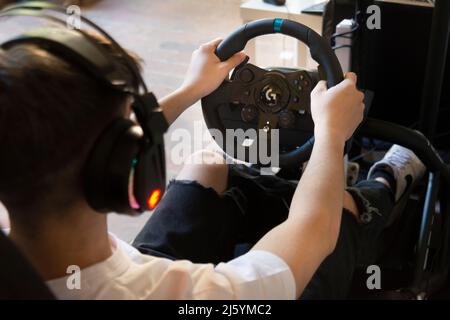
(51, 113)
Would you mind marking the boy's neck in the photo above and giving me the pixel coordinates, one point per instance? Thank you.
(77, 237)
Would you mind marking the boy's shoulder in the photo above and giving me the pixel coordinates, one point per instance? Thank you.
(129, 274)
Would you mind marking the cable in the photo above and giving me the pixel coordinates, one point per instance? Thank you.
(341, 47)
(362, 155)
(443, 134)
(346, 33)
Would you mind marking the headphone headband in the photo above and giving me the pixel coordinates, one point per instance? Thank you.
(40, 9)
(74, 48)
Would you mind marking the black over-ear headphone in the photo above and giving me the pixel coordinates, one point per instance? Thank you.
(125, 171)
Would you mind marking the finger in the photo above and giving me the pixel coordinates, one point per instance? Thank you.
(212, 44)
(361, 95)
(321, 86)
(235, 60)
(351, 76)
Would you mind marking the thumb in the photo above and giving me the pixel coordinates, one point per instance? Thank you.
(235, 60)
(213, 43)
(320, 87)
(351, 76)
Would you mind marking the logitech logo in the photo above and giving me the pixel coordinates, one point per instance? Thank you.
(271, 95)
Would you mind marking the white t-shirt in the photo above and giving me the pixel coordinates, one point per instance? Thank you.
(128, 274)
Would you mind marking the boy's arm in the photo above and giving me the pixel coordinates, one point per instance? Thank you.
(205, 74)
(311, 230)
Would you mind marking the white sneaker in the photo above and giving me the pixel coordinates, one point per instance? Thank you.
(403, 164)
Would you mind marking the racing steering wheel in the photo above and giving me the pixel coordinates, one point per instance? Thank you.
(272, 98)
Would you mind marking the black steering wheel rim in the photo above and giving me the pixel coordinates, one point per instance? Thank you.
(320, 51)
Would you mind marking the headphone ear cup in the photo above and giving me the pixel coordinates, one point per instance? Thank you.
(109, 167)
(150, 177)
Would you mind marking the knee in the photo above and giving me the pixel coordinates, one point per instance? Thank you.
(208, 168)
(211, 165)
(206, 158)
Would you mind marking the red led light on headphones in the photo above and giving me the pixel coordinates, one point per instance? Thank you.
(154, 198)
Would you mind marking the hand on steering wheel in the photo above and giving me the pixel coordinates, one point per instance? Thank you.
(338, 110)
(268, 99)
(206, 72)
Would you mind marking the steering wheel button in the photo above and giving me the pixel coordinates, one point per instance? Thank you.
(295, 99)
(302, 111)
(286, 119)
(246, 75)
(296, 82)
(249, 113)
(306, 83)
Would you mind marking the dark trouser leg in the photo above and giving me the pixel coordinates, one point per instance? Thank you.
(192, 222)
(195, 223)
(358, 242)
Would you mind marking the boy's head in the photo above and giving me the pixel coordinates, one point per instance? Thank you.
(51, 113)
